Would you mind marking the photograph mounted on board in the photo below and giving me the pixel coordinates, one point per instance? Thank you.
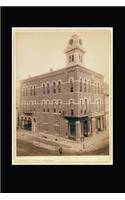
(62, 96)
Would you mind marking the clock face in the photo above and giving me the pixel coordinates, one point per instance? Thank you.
(71, 41)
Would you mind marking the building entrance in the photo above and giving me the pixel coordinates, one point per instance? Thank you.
(85, 128)
(72, 129)
(27, 124)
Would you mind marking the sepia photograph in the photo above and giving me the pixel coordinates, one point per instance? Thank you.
(62, 96)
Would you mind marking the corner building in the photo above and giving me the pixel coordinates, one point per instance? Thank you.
(68, 102)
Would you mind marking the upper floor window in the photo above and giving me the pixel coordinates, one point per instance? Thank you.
(81, 106)
(54, 87)
(95, 88)
(101, 89)
(23, 91)
(43, 106)
(34, 106)
(72, 57)
(85, 85)
(72, 107)
(98, 89)
(26, 91)
(43, 88)
(89, 106)
(54, 106)
(89, 86)
(80, 58)
(85, 110)
(31, 91)
(59, 86)
(59, 106)
(39, 90)
(47, 106)
(71, 85)
(98, 105)
(69, 58)
(48, 88)
(81, 85)
(34, 91)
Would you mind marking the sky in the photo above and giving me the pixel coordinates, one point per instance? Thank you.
(37, 50)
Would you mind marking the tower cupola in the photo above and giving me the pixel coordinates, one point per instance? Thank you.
(74, 52)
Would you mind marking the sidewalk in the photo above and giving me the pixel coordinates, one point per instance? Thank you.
(53, 142)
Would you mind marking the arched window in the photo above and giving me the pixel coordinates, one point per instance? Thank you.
(31, 91)
(54, 87)
(59, 106)
(71, 85)
(101, 89)
(34, 106)
(80, 58)
(72, 57)
(71, 107)
(59, 86)
(98, 105)
(54, 106)
(43, 88)
(81, 106)
(95, 88)
(48, 88)
(23, 92)
(38, 90)
(85, 85)
(85, 109)
(26, 91)
(43, 104)
(89, 86)
(47, 106)
(89, 106)
(98, 89)
(81, 85)
(34, 91)
(69, 58)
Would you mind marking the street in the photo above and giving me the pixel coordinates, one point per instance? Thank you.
(95, 145)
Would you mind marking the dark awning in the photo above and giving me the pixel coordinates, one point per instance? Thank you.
(76, 118)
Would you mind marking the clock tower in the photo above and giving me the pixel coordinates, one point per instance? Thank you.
(74, 52)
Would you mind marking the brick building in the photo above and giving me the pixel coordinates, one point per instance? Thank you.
(68, 102)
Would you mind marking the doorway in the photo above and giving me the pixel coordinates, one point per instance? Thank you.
(85, 128)
(29, 124)
(72, 129)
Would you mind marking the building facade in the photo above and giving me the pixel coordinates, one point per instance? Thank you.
(106, 94)
(68, 102)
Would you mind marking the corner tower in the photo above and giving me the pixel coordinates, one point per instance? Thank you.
(74, 52)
